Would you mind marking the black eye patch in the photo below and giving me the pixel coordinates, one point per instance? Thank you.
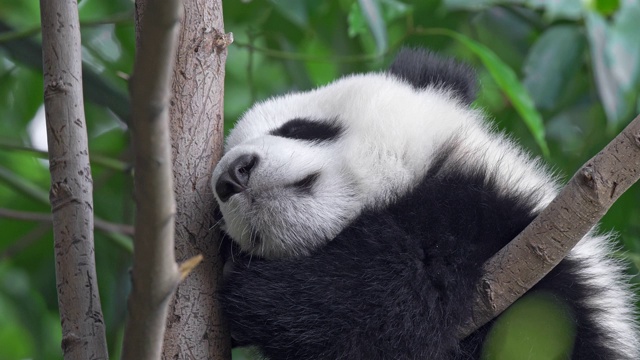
(303, 129)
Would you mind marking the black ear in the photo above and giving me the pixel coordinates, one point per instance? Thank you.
(423, 69)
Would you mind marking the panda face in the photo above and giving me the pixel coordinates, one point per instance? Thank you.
(299, 168)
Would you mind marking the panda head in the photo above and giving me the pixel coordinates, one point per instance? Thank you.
(299, 168)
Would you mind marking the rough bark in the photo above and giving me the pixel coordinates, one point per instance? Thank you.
(549, 238)
(195, 325)
(71, 196)
(155, 274)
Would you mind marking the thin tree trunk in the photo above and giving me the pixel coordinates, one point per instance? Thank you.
(155, 274)
(83, 331)
(195, 324)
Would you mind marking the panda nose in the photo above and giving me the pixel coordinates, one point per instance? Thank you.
(236, 178)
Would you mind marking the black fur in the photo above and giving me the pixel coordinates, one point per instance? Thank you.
(396, 283)
(303, 129)
(423, 69)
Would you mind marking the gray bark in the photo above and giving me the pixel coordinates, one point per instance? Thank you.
(71, 196)
(195, 326)
(155, 274)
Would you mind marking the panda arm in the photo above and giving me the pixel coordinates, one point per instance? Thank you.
(371, 293)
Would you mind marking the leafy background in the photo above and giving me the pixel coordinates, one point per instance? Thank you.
(561, 76)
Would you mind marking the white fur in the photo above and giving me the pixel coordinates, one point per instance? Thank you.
(617, 306)
(391, 134)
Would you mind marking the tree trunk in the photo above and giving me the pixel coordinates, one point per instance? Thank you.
(83, 332)
(195, 324)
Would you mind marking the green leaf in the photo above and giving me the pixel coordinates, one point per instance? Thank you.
(26, 13)
(507, 80)
(551, 63)
(604, 7)
(98, 9)
(536, 327)
(615, 53)
(624, 46)
(23, 186)
(20, 98)
(14, 338)
(393, 9)
(294, 10)
(373, 15)
(321, 73)
(357, 25)
(567, 9)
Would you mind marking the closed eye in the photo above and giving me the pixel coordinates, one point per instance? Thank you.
(306, 184)
(303, 129)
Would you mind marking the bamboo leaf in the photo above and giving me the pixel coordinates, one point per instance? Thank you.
(508, 82)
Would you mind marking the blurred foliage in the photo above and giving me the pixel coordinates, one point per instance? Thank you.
(560, 76)
(538, 325)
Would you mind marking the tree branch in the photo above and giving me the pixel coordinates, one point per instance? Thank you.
(25, 241)
(104, 161)
(29, 32)
(517, 267)
(83, 330)
(155, 274)
(99, 224)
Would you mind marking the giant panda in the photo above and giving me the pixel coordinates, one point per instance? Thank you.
(364, 209)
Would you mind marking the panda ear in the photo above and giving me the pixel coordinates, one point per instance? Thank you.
(423, 69)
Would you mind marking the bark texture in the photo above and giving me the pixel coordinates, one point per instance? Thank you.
(71, 196)
(155, 274)
(195, 326)
(549, 238)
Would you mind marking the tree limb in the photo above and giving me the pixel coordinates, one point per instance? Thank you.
(106, 162)
(155, 274)
(83, 330)
(25, 241)
(99, 224)
(518, 266)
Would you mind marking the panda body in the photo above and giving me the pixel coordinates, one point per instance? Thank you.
(365, 210)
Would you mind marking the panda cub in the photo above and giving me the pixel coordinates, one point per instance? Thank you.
(365, 210)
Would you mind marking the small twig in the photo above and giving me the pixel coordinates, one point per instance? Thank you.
(25, 241)
(29, 32)
(188, 265)
(99, 224)
(100, 160)
(25, 215)
(286, 55)
(36, 193)
(24, 186)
